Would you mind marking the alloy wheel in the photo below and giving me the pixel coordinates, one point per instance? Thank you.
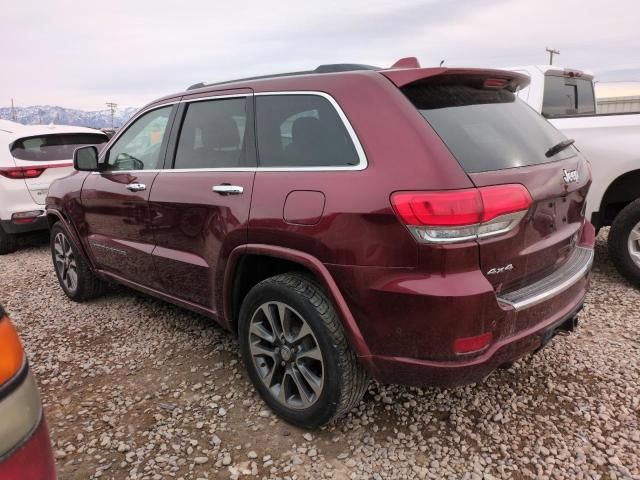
(65, 262)
(286, 355)
(633, 244)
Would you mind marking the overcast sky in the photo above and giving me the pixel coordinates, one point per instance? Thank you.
(81, 54)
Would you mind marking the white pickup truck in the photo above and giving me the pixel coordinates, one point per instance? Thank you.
(611, 142)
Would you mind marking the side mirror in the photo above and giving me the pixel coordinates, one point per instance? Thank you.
(85, 159)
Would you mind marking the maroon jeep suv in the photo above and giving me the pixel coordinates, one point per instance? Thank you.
(415, 225)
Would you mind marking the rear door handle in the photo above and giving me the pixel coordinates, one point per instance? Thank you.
(136, 187)
(228, 189)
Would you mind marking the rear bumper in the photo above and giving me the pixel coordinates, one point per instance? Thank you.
(411, 320)
(575, 268)
(39, 223)
(411, 371)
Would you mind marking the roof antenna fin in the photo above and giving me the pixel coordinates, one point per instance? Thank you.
(407, 62)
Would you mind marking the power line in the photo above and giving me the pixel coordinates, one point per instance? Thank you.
(551, 53)
(112, 106)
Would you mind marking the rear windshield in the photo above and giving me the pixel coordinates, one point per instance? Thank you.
(567, 96)
(486, 129)
(47, 148)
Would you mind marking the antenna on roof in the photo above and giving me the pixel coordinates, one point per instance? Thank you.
(407, 62)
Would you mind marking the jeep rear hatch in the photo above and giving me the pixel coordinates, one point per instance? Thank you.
(529, 208)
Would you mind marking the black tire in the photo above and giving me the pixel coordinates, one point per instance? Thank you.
(618, 241)
(345, 381)
(87, 286)
(8, 242)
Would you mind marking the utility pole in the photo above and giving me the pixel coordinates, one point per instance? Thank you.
(14, 117)
(551, 53)
(112, 106)
(40, 112)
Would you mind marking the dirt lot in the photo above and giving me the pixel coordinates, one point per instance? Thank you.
(136, 388)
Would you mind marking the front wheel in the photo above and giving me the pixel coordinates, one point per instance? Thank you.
(296, 353)
(624, 242)
(75, 277)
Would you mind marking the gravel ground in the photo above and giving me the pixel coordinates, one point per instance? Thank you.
(136, 388)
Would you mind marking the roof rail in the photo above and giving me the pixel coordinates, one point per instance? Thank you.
(329, 68)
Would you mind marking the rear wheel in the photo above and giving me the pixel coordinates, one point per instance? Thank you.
(8, 242)
(624, 242)
(296, 353)
(75, 277)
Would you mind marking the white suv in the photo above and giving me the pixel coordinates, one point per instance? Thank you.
(31, 157)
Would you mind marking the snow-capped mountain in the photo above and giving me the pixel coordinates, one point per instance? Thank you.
(45, 114)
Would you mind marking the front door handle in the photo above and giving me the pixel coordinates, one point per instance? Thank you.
(227, 189)
(136, 187)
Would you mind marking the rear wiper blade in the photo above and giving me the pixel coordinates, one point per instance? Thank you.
(558, 147)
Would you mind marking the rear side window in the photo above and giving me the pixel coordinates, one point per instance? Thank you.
(302, 131)
(485, 129)
(212, 135)
(567, 96)
(59, 146)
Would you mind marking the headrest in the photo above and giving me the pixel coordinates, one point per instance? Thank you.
(221, 132)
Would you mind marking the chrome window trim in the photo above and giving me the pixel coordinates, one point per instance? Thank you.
(216, 97)
(362, 157)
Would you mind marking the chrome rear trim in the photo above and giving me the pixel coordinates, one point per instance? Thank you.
(575, 268)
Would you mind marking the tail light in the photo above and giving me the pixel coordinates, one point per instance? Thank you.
(22, 172)
(459, 215)
(11, 353)
(26, 217)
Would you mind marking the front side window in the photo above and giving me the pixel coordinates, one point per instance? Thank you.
(59, 146)
(302, 131)
(139, 147)
(212, 135)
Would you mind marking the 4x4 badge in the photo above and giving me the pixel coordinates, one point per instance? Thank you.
(496, 270)
(569, 176)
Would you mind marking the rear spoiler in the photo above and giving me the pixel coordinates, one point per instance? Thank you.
(501, 78)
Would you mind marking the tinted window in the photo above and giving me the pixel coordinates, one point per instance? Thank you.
(586, 99)
(301, 131)
(567, 96)
(47, 148)
(212, 135)
(486, 129)
(139, 147)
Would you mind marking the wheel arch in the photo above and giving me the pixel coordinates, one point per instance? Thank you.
(54, 216)
(239, 269)
(620, 192)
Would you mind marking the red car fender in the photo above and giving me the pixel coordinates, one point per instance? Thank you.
(351, 328)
